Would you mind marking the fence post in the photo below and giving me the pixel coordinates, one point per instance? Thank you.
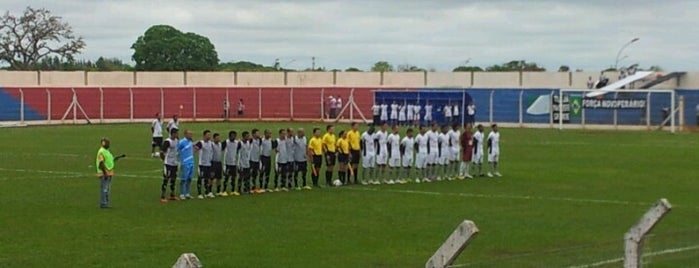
(551, 108)
(194, 104)
(616, 124)
(21, 106)
(672, 111)
(462, 110)
(291, 103)
(259, 103)
(131, 104)
(101, 105)
(322, 104)
(75, 108)
(351, 109)
(162, 104)
(492, 92)
(48, 98)
(521, 95)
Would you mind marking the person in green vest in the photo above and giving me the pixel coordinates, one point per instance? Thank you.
(105, 163)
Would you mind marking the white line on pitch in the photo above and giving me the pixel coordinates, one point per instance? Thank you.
(503, 196)
(649, 254)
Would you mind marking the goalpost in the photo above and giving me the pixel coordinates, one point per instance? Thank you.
(624, 108)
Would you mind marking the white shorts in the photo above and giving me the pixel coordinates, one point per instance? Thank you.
(401, 117)
(428, 117)
(454, 155)
(384, 117)
(368, 160)
(417, 116)
(381, 159)
(432, 157)
(394, 162)
(494, 156)
(410, 116)
(421, 160)
(407, 160)
(477, 158)
(442, 159)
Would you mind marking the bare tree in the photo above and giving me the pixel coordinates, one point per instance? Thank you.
(36, 34)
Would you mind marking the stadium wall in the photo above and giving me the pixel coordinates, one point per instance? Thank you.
(323, 79)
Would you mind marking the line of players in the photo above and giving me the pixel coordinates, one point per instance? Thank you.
(247, 163)
(410, 114)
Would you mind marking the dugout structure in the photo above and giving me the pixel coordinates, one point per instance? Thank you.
(438, 98)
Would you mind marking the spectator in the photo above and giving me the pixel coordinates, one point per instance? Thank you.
(471, 112)
(338, 105)
(332, 111)
(590, 82)
(241, 107)
(226, 109)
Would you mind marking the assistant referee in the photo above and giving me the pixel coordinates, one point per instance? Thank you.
(353, 139)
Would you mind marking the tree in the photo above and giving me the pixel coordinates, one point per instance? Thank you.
(245, 66)
(111, 64)
(353, 69)
(164, 48)
(516, 66)
(468, 69)
(382, 66)
(37, 34)
(564, 68)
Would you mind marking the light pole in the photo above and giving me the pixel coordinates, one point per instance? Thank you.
(616, 61)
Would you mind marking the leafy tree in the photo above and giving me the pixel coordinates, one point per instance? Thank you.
(35, 35)
(353, 69)
(382, 66)
(164, 48)
(564, 68)
(111, 64)
(468, 69)
(516, 66)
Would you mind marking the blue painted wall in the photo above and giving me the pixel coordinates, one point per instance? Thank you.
(9, 109)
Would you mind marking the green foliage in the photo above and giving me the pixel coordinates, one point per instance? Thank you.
(468, 69)
(410, 68)
(566, 199)
(353, 69)
(516, 66)
(102, 64)
(564, 68)
(382, 66)
(164, 48)
(245, 66)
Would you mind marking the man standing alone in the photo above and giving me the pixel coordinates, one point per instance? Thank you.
(105, 170)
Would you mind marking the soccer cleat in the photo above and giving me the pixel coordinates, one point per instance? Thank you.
(364, 183)
(498, 174)
(426, 180)
(297, 188)
(200, 197)
(188, 196)
(277, 189)
(439, 178)
(468, 176)
(390, 182)
(211, 195)
(235, 194)
(182, 197)
(417, 180)
(307, 187)
(490, 175)
(223, 194)
(163, 200)
(263, 191)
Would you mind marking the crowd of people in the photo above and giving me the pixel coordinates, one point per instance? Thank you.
(414, 114)
(258, 161)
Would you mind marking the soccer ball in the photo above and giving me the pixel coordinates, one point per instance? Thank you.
(337, 183)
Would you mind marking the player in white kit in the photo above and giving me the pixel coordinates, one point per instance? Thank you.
(432, 151)
(454, 159)
(422, 153)
(381, 138)
(410, 114)
(402, 115)
(447, 113)
(493, 151)
(384, 113)
(428, 113)
(367, 143)
(444, 152)
(394, 113)
(455, 113)
(477, 158)
(394, 155)
(416, 114)
(407, 147)
(376, 112)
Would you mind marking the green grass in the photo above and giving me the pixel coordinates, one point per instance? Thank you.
(567, 198)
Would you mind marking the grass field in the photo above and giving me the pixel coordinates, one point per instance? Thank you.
(566, 199)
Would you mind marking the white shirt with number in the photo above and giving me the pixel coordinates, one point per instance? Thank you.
(394, 111)
(428, 112)
(447, 111)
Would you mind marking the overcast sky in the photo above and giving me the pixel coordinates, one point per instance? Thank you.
(430, 34)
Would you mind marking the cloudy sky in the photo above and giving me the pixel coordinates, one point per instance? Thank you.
(439, 34)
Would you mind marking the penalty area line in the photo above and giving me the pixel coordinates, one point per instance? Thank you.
(503, 196)
(649, 254)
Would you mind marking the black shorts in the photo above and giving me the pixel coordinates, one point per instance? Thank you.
(157, 142)
(355, 156)
(330, 159)
(230, 170)
(170, 172)
(217, 170)
(204, 172)
(343, 158)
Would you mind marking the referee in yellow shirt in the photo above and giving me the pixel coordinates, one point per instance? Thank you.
(315, 153)
(329, 142)
(353, 139)
(343, 151)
